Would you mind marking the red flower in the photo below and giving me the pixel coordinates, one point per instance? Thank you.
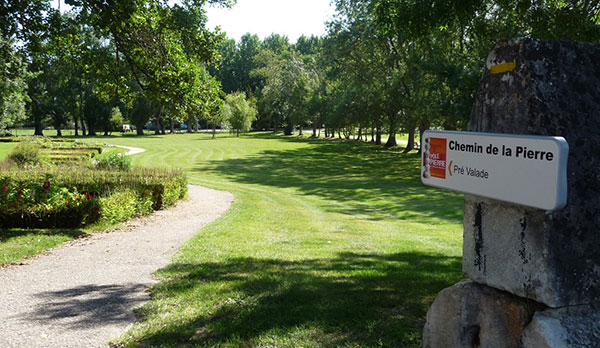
(87, 196)
(5, 188)
(46, 186)
(19, 192)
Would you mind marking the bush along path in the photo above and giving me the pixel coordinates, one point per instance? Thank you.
(83, 294)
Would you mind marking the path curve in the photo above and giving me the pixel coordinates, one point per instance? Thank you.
(131, 150)
(82, 294)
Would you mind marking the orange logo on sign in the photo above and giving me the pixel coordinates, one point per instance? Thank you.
(434, 158)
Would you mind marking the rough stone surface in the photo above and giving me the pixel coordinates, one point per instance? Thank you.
(468, 315)
(567, 327)
(551, 257)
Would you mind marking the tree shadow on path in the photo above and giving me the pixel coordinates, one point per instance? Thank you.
(89, 305)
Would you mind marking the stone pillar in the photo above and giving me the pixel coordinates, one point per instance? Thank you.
(553, 258)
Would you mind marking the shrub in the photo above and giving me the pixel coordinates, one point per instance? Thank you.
(26, 195)
(36, 205)
(113, 161)
(125, 204)
(25, 153)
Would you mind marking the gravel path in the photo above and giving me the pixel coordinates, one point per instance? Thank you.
(83, 293)
(132, 150)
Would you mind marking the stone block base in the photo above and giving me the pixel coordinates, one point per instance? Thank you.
(567, 327)
(469, 315)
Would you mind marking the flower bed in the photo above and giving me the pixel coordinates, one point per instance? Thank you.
(52, 197)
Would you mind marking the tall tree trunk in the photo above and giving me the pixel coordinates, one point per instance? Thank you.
(289, 129)
(37, 119)
(300, 131)
(393, 128)
(314, 135)
(76, 126)
(58, 132)
(172, 130)
(157, 125)
(80, 109)
(162, 125)
(359, 134)
(214, 130)
(91, 130)
(347, 133)
(411, 139)
(139, 129)
(372, 134)
(326, 133)
(339, 133)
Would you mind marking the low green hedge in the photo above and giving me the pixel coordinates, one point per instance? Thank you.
(61, 217)
(41, 205)
(123, 205)
(42, 197)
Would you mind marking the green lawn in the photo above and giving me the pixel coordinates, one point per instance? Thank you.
(5, 148)
(328, 244)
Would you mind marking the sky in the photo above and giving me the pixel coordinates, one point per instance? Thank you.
(291, 18)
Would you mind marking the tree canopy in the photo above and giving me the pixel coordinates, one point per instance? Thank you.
(384, 66)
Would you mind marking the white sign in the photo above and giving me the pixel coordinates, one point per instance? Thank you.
(526, 170)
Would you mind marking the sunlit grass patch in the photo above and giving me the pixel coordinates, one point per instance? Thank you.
(328, 244)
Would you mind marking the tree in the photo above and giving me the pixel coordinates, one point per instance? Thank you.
(238, 112)
(13, 86)
(143, 109)
(287, 90)
(165, 47)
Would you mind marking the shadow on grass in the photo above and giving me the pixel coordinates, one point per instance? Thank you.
(6, 234)
(352, 299)
(366, 178)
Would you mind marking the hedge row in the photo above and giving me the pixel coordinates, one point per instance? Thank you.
(29, 198)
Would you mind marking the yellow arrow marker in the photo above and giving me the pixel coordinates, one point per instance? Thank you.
(502, 68)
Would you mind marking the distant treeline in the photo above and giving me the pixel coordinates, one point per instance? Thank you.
(384, 66)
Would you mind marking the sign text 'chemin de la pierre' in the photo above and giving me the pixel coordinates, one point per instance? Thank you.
(521, 169)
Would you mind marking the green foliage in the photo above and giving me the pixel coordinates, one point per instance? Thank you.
(289, 85)
(166, 185)
(125, 204)
(13, 86)
(116, 119)
(114, 161)
(239, 112)
(37, 204)
(25, 154)
(48, 198)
